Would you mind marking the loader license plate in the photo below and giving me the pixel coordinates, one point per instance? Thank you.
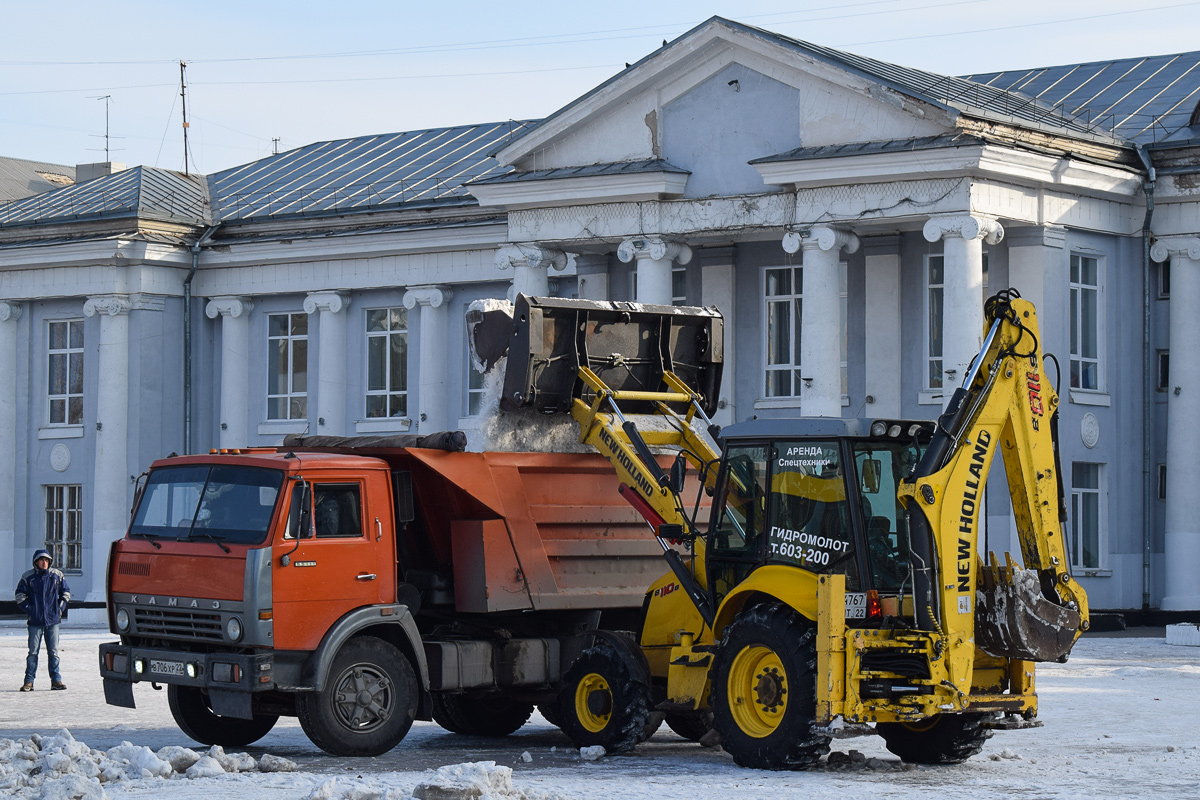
(166, 667)
(856, 605)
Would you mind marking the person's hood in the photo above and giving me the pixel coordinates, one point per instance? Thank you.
(42, 554)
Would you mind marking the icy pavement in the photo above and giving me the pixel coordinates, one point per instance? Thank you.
(1118, 720)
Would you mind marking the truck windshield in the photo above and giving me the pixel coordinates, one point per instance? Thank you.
(225, 503)
(880, 467)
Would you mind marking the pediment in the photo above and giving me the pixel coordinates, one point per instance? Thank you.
(717, 98)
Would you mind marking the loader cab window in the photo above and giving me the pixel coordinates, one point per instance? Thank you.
(810, 523)
(880, 467)
(735, 537)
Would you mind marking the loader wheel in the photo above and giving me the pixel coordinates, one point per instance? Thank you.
(691, 726)
(941, 739)
(552, 713)
(480, 716)
(368, 704)
(764, 690)
(192, 713)
(602, 704)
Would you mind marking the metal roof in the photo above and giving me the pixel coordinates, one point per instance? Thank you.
(144, 192)
(21, 178)
(1141, 100)
(365, 172)
(867, 148)
(614, 168)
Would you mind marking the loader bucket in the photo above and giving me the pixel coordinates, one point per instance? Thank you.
(628, 345)
(1013, 618)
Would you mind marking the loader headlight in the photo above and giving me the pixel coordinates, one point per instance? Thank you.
(234, 628)
(122, 619)
(878, 428)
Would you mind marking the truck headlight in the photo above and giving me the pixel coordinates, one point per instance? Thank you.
(234, 628)
(122, 619)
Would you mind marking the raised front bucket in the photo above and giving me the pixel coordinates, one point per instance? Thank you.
(628, 345)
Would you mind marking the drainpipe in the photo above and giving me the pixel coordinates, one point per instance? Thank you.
(187, 338)
(1147, 383)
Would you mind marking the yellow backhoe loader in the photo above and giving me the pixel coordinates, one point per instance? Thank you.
(832, 583)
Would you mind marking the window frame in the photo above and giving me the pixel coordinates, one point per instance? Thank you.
(926, 383)
(1075, 322)
(471, 391)
(1075, 536)
(66, 550)
(795, 367)
(290, 395)
(68, 352)
(388, 392)
(1163, 375)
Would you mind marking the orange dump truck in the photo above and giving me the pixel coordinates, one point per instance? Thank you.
(360, 584)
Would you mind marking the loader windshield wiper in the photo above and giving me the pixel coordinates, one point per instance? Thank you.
(196, 532)
(149, 537)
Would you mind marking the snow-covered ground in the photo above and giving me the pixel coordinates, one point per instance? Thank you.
(1119, 723)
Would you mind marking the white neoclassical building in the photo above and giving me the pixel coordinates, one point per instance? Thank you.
(848, 217)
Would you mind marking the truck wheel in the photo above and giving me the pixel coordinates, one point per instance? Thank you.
(764, 690)
(480, 716)
(189, 707)
(602, 704)
(368, 704)
(940, 739)
(552, 712)
(690, 725)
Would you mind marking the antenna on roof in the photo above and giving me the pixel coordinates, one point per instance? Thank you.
(107, 98)
(275, 146)
(183, 94)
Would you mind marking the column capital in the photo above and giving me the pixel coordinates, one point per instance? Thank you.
(655, 248)
(965, 226)
(531, 254)
(1171, 246)
(332, 302)
(229, 306)
(10, 310)
(432, 296)
(820, 237)
(112, 305)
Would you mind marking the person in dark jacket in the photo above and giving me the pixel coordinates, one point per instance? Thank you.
(42, 594)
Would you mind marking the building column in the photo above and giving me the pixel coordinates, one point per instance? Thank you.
(10, 312)
(882, 342)
(717, 288)
(592, 269)
(656, 256)
(110, 483)
(1181, 543)
(962, 237)
(530, 264)
(433, 357)
(331, 360)
(821, 318)
(235, 367)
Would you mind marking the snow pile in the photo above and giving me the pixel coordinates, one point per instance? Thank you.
(479, 780)
(59, 767)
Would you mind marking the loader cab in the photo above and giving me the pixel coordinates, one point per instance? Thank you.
(814, 494)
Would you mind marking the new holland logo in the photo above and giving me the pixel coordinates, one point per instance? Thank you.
(968, 510)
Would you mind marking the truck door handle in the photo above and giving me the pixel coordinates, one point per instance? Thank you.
(365, 576)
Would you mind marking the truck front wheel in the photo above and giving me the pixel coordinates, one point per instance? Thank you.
(189, 706)
(941, 739)
(764, 690)
(368, 704)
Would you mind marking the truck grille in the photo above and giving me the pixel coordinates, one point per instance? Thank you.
(177, 624)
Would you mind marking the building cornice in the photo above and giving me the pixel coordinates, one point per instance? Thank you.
(576, 190)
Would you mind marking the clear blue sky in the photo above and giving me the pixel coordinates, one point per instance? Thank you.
(305, 71)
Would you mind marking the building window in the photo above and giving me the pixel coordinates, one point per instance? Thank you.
(287, 366)
(65, 372)
(679, 286)
(935, 274)
(1162, 481)
(1164, 279)
(783, 296)
(475, 387)
(1085, 515)
(64, 526)
(1085, 322)
(387, 362)
(1164, 370)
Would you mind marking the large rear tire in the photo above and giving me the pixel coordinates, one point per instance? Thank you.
(368, 704)
(601, 702)
(480, 716)
(764, 690)
(942, 739)
(192, 713)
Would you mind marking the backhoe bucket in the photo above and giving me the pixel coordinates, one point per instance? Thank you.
(1013, 619)
(628, 345)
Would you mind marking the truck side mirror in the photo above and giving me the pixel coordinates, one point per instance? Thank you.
(299, 515)
(678, 469)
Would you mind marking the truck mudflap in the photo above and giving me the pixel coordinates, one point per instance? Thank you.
(630, 346)
(1013, 618)
(228, 678)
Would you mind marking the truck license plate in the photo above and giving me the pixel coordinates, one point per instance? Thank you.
(166, 667)
(856, 605)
